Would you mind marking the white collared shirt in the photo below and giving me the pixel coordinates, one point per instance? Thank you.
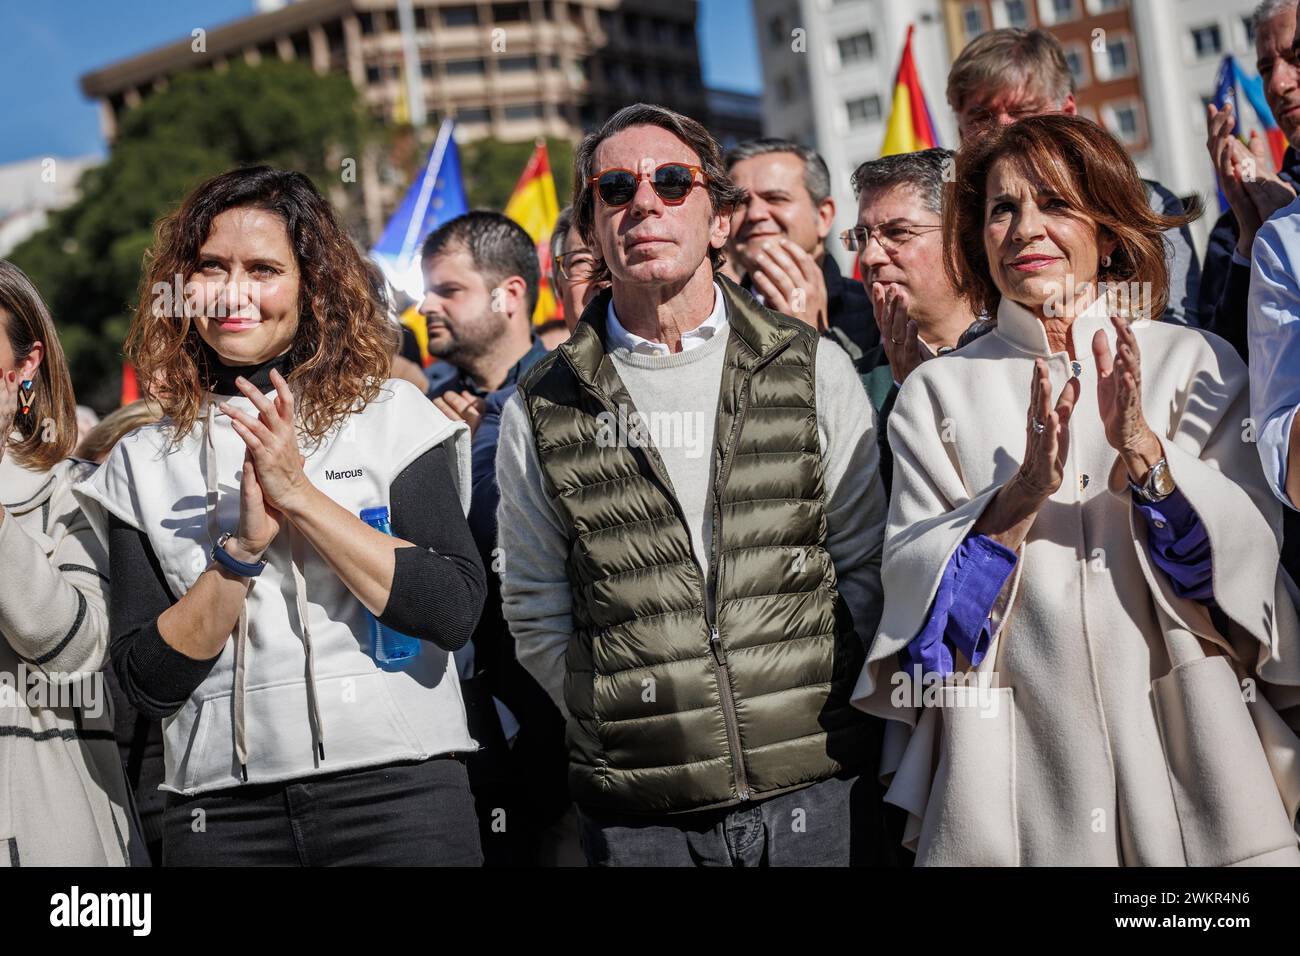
(621, 338)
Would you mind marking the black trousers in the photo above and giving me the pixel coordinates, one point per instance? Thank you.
(403, 814)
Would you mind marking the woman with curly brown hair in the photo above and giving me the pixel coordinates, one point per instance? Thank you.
(245, 578)
(1087, 651)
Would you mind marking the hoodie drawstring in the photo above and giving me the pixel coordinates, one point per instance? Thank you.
(241, 633)
(297, 556)
(296, 546)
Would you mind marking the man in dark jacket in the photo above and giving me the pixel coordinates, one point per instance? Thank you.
(778, 241)
(481, 285)
(1225, 283)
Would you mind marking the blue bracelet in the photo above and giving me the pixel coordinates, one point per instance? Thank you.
(233, 564)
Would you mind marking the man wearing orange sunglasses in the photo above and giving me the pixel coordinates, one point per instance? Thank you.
(690, 529)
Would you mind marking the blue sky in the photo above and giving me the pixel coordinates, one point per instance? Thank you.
(45, 47)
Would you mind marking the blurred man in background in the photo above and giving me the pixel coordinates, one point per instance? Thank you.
(778, 241)
(1246, 175)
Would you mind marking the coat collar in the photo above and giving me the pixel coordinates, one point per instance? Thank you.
(759, 330)
(24, 489)
(1025, 330)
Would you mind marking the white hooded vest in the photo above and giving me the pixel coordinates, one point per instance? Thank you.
(295, 693)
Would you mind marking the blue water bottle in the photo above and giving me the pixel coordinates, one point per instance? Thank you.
(388, 647)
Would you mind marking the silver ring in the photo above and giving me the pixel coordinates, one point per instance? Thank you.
(1039, 427)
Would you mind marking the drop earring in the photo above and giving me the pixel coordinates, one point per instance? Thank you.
(1105, 262)
(25, 394)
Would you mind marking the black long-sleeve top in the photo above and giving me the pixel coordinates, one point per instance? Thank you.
(436, 594)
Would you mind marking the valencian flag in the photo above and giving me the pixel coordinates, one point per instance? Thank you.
(910, 125)
(1229, 77)
(534, 206)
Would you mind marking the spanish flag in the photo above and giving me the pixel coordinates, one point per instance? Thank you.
(910, 126)
(534, 206)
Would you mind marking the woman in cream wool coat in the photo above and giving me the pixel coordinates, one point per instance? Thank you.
(1087, 653)
(64, 799)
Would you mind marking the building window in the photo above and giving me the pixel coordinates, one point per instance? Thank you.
(1207, 41)
(509, 12)
(459, 16)
(1106, 6)
(1124, 121)
(367, 22)
(1016, 13)
(374, 75)
(972, 20)
(516, 64)
(856, 48)
(863, 110)
(1062, 11)
(784, 89)
(421, 18)
(1077, 61)
(776, 32)
(554, 61)
(685, 35)
(1248, 24)
(530, 111)
(1119, 56)
(465, 67)
(473, 114)
(426, 69)
(631, 24)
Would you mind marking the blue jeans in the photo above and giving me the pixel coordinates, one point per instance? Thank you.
(835, 822)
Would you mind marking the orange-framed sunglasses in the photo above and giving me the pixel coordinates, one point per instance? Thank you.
(672, 182)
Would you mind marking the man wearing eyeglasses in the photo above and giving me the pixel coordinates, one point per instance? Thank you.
(576, 275)
(898, 241)
(690, 530)
(778, 237)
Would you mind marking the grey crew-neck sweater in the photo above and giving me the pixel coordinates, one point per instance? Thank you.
(677, 398)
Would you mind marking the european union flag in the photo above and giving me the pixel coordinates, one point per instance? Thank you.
(436, 196)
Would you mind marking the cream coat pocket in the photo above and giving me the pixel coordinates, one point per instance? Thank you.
(1228, 805)
(971, 813)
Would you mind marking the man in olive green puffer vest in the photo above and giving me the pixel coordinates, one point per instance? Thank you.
(690, 530)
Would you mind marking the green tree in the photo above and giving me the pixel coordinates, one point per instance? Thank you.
(87, 261)
(492, 168)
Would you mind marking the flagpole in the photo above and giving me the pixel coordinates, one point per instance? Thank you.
(426, 190)
(411, 59)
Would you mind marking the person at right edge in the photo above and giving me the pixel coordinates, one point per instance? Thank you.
(690, 524)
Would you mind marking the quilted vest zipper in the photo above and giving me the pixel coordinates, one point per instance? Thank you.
(720, 475)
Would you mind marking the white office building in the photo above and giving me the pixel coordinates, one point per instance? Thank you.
(828, 80)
